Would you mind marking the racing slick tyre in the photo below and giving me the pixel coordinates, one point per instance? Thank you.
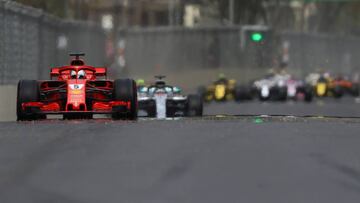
(242, 93)
(263, 98)
(170, 113)
(151, 111)
(125, 90)
(202, 91)
(282, 93)
(27, 91)
(338, 92)
(308, 93)
(194, 106)
(355, 90)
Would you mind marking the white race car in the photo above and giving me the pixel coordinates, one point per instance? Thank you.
(281, 87)
(161, 101)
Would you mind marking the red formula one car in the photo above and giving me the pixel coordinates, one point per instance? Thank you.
(76, 92)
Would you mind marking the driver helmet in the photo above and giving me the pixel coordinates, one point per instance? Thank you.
(73, 74)
(232, 82)
(177, 90)
(271, 71)
(81, 74)
(140, 82)
(160, 84)
(327, 75)
(221, 76)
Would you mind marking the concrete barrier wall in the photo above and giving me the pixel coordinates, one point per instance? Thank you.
(7, 103)
(31, 41)
(190, 80)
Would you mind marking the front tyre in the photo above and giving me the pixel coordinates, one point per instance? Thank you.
(242, 93)
(282, 94)
(194, 106)
(27, 91)
(308, 93)
(355, 90)
(151, 111)
(125, 90)
(338, 91)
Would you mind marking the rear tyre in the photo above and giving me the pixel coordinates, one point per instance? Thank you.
(282, 94)
(27, 91)
(355, 90)
(170, 113)
(202, 92)
(125, 90)
(338, 92)
(152, 111)
(308, 93)
(242, 93)
(194, 106)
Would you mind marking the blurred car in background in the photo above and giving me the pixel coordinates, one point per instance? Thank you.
(271, 87)
(327, 86)
(221, 90)
(346, 86)
(276, 87)
(161, 100)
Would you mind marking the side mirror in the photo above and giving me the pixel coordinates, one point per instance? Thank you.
(100, 72)
(143, 90)
(54, 73)
(177, 90)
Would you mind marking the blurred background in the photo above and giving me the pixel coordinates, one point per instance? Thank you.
(190, 41)
(147, 37)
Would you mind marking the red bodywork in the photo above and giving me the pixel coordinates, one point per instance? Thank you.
(66, 94)
(342, 83)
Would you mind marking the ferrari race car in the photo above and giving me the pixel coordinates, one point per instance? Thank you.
(344, 86)
(76, 92)
(161, 100)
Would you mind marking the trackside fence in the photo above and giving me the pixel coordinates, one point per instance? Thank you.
(31, 41)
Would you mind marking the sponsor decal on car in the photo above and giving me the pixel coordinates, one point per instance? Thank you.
(76, 88)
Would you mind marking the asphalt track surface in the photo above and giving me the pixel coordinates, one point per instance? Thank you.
(212, 159)
(345, 107)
